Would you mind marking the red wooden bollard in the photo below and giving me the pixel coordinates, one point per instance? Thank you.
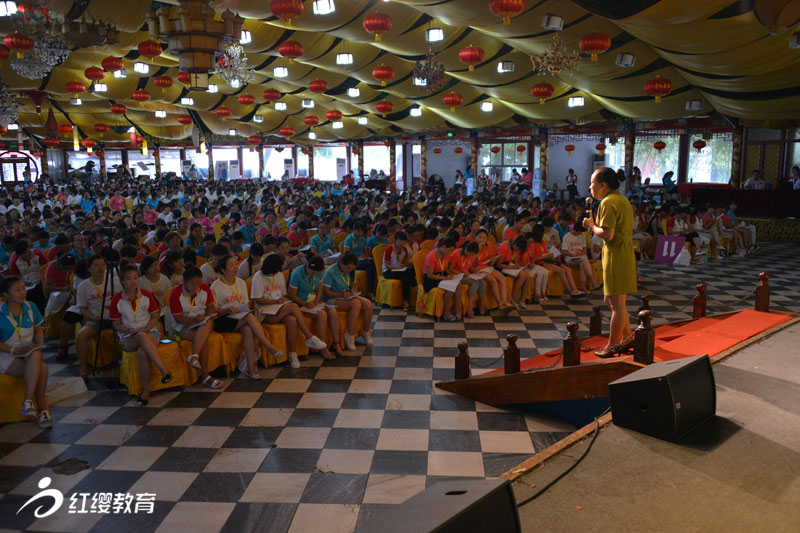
(762, 293)
(572, 346)
(699, 302)
(511, 355)
(462, 370)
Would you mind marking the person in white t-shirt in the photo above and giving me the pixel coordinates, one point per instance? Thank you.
(89, 298)
(233, 315)
(573, 250)
(755, 182)
(218, 251)
(152, 280)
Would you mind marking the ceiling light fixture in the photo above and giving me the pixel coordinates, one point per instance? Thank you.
(100, 87)
(312, 135)
(323, 7)
(556, 59)
(344, 58)
(75, 101)
(434, 35)
(694, 105)
(245, 37)
(233, 68)
(7, 9)
(415, 111)
(429, 72)
(307, 103)
(353, 92)
(13, 126)
(280, 106)
(131, 130)
(141, 67)
(505, 66)
(419, 82)
(232, 131)
(160, 113)
(337, 125)
(553, 22)
(487, 106)
(212, 88)
(575, 101)
(625, 60)
(187, 100)
(258, 118)
(363, 121)
(120, 74)
(280, 72)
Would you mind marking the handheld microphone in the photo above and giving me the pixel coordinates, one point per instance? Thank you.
(589, 202)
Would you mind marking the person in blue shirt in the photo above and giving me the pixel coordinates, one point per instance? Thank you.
(195, 238)
(322, 243)
(564, 225)
(381, 232)
(21, 339)
(87, 204)
(337, 286)
(79, 247)
(357, 243)
(208, 243)
(43, 242)
(305, 289)
(249, 229)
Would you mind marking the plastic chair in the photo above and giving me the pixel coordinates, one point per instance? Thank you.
(12, 392)
(173, 361)
(389, 291)
(430, 303)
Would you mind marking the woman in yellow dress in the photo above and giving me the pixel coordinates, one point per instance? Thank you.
(614, 224)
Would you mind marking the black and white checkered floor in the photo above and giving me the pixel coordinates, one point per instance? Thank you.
(329, 445)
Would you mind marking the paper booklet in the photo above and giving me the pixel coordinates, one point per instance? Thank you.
(242, 311)
(513, 272)
(306, 248)
(399, 269)
(271, 309)
(332, 258)
(451, 285)
(56, 301)
(33, 349)
(317, 308)
(486, 270)
(205, 320)
(350, 297)
(555, 251)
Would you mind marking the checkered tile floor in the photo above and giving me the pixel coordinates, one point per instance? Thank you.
(329, 445)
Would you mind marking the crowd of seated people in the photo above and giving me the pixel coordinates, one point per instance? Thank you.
(224, 257)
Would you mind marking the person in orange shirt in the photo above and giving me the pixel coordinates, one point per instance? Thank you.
(494, 279)
(437, 268)
(513, 257)
(464, 260)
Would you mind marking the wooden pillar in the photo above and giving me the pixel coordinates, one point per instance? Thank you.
(240, 156)
(348, 167)
(423, 161)
(393, 165)
(473, 158)
(683, 158)
(361, 159)
(157, 157)
(311, 163)
(43, 163)
(260, 150)
(101, 155)
(211, 174)
(294, 160)
(125, 159)
(736, 157)
(630, 145)
(543, 158)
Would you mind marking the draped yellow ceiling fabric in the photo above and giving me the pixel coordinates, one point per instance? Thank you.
(716, 51)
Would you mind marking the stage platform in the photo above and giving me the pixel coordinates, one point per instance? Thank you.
(740, 472)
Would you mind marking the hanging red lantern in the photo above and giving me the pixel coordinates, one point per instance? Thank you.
(333, 115)
(291, 49)
(471, 55)
(377, 23)
(658, 87)
(452, 100)
(699, 145)
(19, 43)
(595, 43)
(112, 64)
(437, 151)
(506, 9)
(118, 109)
(247, 99)
(94, 74)
(141, 95)
(75, 88)
(254, 139)
(318, 86)
(659, 145)
(383, 107)
(270, 95)
(600, 147)
(51, 143)
(139, 139)
(311, 121)
(37, 97)
(495, 149)
(458, 149)
(185, 120)
(569, 148)
(184, 78)
(149, 49)
(521, 148)
(5, 53)
(65, 129)
(100, 128)
(305, 151)
(542, 91)
(164, 82)
(355, 150)
(223, 112)
(383, 73)
(287, 131)
(89, 144)
(286, 9)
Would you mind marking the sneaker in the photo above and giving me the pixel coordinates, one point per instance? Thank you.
(27, 410)
(294, 362)
(315, 343)
(367, 335)
(44, 420)
(349, 342)
(521, 305)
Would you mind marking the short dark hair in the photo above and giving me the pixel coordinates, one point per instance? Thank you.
(191, 273)
(607, 175)
(272, 265)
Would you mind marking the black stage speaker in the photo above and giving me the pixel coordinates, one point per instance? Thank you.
(665, 400)
(469, 506)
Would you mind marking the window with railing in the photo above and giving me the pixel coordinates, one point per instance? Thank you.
(505, 157)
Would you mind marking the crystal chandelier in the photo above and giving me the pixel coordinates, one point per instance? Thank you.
(430, 71)
(8, 107)
(556, 59)
(232, 66)
(49, 49)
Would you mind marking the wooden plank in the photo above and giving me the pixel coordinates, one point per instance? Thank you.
(587, 380)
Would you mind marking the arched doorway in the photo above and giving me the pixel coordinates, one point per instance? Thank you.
(13, 167)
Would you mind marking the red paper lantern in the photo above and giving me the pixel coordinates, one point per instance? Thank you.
(254, 139)
(223, 112)
(5, 53)
(94, 73)
(118, 109)
(458, 149)
(185, 120)
(112, 64)
(149, 49)
(291, 49)
(305, 151)
(658, 87)
(453, 99)
(89, 144)
(19, 43)
(270, 95)
(65, 129)
(51, 143)
(75, 88)
(542, 91)
(495, 149)
(437, 151)
(184, 78)
(318, 86)
(520, 148)
(600, 147)
(139, 139)
(100, 128)
(569, 148)
(286, 9)
(355, 150)
(141, 95)
(311, 120)
(595, 43)
(377, 23)
(471, 55)
(659, 145)
(287, 131)
(506, 9)
(383, 73)
(333, 115)
(384, 106)
(164, 82)
(699, 145)
(247, 99)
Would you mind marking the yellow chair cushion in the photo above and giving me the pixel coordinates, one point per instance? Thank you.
(173, 362)
(12, 393)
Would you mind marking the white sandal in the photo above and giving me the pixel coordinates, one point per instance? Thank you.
(214, 384)
(194, 361)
